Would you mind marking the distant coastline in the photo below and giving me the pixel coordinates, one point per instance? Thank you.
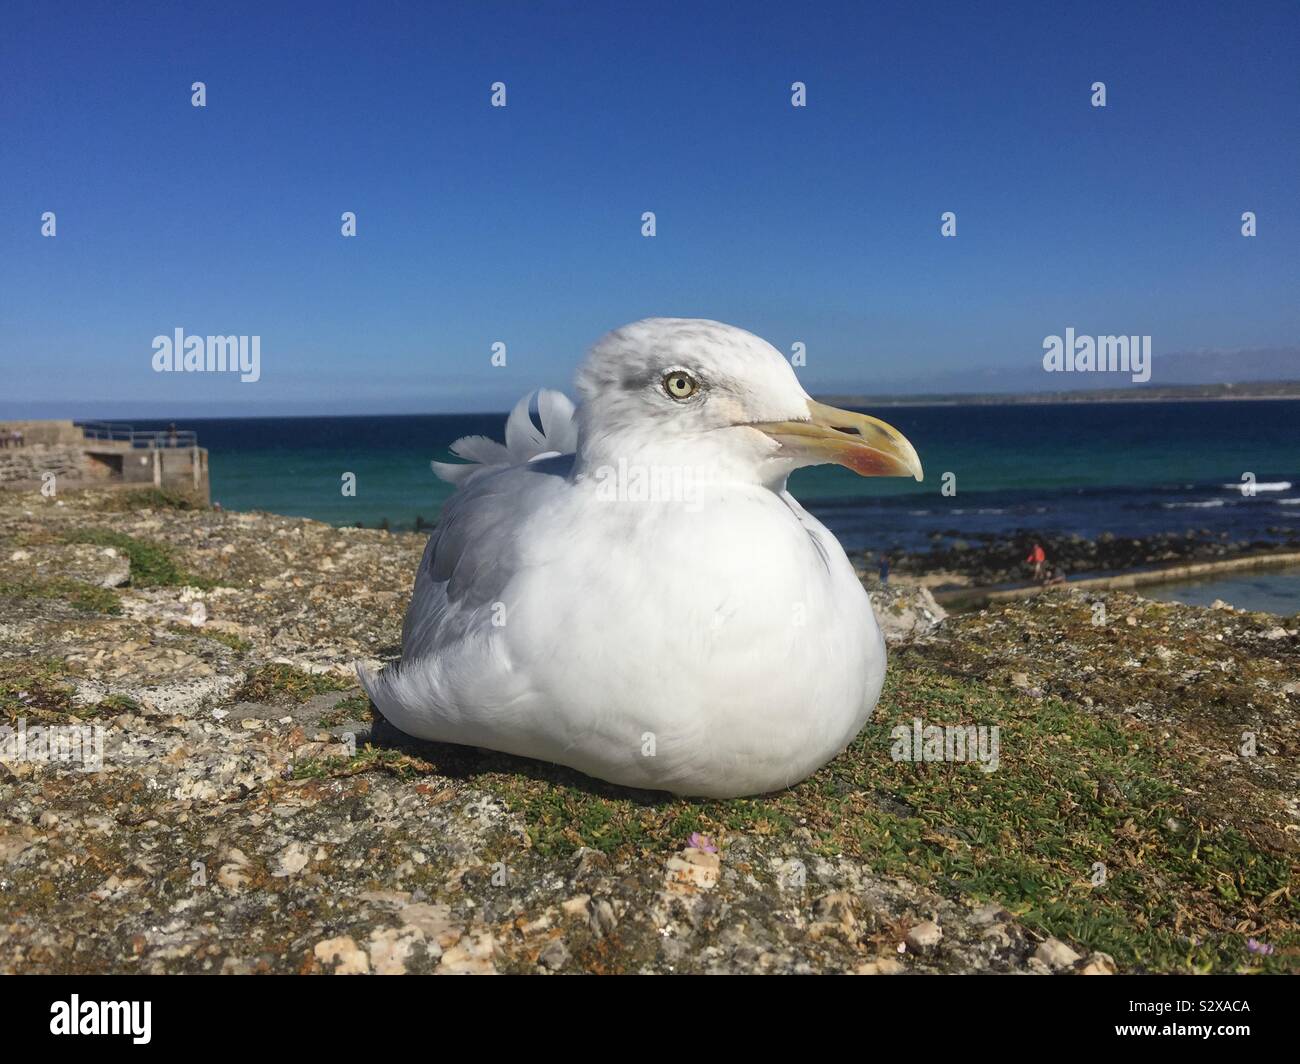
(1170, 393)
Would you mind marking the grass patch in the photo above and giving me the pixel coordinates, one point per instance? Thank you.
(369, 758)
(109, 706)
(85, 597)
(1076, 794)
(355, 708)
(34, 688)
(152, 564)
(147, 499)
(277, 682)
(229, 639)
(38, 689)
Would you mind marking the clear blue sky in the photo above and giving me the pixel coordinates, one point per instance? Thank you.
(522, 224)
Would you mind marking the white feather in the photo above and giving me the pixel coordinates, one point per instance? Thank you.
(654, 643)
(524, 441)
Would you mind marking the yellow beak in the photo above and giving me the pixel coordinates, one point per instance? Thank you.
(868, 446)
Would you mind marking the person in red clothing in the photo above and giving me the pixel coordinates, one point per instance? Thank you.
(1037, 558)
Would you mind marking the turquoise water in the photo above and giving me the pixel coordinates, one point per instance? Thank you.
(1271, 591)
(1130, 469)
(1127, 468)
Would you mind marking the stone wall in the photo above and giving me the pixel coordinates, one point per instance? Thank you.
(29, 463)
(49, 432)
(60, 447)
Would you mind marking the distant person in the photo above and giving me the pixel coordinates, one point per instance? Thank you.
(18, 437)
(1055, 575)
(1038, 559)
(884, 568)
(171, 435)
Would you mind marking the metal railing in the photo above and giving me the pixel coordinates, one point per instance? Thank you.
(144, 439)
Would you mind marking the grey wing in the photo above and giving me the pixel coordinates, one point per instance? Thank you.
(448, 644)
(474, 552)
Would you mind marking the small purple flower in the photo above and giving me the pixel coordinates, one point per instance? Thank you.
(701, 842)
(1255, 946)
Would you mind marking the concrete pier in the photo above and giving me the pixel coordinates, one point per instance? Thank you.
(72, 455)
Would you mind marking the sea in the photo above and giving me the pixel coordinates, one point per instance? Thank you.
(1085, 468)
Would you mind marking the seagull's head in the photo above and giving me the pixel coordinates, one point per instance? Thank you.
(667, 390)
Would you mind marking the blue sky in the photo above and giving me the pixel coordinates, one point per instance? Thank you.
(522, 224)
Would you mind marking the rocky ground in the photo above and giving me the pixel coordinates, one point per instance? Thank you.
(251, 816)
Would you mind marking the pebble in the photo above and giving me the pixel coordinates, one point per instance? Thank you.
(472, 955)
(1056, 954)
(343, 953)
(602, 918)
(925, 935)
(836, 909)
(576, 905)
(691, 872)
(292, 860)
(390, 949)
(990, 913)
(1098, 964)
(434, 922)
(555, 955)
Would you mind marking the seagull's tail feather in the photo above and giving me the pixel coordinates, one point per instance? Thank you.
(384, 690)
(524, 440)
(372, 683)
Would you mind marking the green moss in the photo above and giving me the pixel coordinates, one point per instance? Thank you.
(1074, 791)
(229, 639)
(277, 682)
(38, 689)
(368, 758)
(34, 688)
(147, 499)
(84, 597)
(109, 706)
(151, 563)
(355, 708)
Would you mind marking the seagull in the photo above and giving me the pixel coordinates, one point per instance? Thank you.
(628, 588)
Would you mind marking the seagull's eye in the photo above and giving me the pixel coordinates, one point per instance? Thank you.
(680, 384)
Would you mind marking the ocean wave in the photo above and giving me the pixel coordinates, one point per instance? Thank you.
(1206, 504)
(1287, 502)
(1268, 485)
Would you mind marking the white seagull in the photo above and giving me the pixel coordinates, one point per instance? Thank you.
(631, 591)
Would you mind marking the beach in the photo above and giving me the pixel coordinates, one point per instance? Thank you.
(247, 812)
